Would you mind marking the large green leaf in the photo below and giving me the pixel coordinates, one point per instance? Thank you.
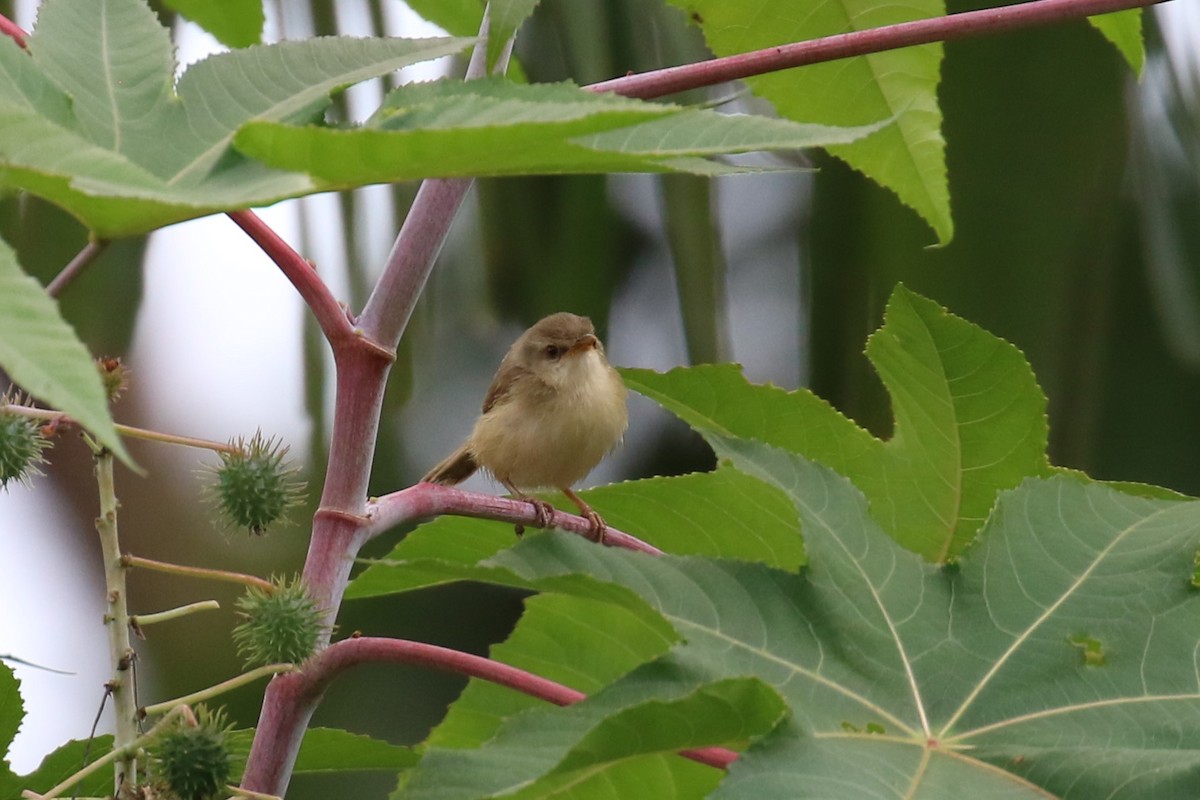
(42, 355)
(89, 118)
(909, 157)
(331, 750)
(970, 421)
(496, 127)
(657, 710)
(1054, 660)
(236, 23)
(560, 637)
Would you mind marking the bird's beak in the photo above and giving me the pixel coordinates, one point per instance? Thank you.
(584, 343)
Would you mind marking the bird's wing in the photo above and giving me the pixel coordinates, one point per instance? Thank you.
(497, 393)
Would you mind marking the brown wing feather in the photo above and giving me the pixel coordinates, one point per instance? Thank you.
(500, 389)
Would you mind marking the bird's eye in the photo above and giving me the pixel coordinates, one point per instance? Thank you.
(553, 351)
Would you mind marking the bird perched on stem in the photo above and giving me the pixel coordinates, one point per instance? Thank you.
(554, 410)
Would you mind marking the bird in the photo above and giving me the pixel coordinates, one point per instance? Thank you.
(554, 410)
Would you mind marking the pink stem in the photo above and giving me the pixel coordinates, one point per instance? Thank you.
(671, 80)
(339, 526)
(12, 30)
(295, 695)
(329, 313)
(426, 500)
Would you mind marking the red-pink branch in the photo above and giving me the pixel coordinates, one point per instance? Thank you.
(329, 313)
(671, 80)
(427, 500)
(295, 692)
(12, 30)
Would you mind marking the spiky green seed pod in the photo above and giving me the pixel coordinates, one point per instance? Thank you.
(21, 446)
(193, 762)
(255, 486)
(282, 626)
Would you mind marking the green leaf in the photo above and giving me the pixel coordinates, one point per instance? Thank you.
(970, 421)
(923, 679)
(42, 355)
(572, 640)
(12, 712)
(656, 711)
(1124, 30)
(90, 121)
(235, 23)
(495, 127)
(457, 17)
(908, 157)
(333, 750)
(60, 765)
(504, 17)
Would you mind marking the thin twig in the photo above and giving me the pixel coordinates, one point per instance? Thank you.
(58, 418)
(197, 572)
(143, 620)
(17, 660)
(662, 82)
(76, 266)
(216, 689)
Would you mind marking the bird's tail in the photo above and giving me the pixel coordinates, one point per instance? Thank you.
(456, 468)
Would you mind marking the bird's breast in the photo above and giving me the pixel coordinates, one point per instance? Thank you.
(556, 438)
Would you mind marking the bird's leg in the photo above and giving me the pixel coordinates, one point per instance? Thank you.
(543, 510)
(597, 522)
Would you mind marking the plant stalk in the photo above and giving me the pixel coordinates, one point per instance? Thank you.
(217, 689)
(138, 621)
(197, 572)
(76, 266)
(122, 685)
(662, 82)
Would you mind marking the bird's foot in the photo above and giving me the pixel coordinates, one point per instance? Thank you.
(596, 524)
(544, 512)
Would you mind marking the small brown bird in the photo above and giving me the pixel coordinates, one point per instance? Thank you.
(554, 410)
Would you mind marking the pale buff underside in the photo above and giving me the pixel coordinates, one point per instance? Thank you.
(556, 441)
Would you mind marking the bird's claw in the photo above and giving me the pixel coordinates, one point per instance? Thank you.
(597, 525)
(544, 512)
